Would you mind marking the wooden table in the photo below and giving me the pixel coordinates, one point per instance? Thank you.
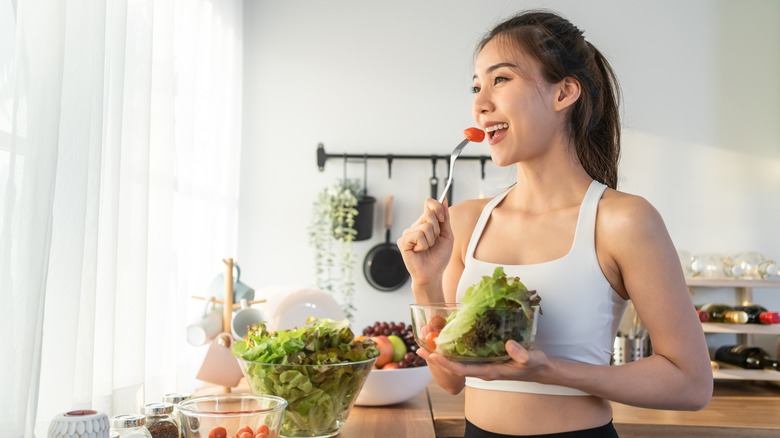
(737, 409)
(410, 419)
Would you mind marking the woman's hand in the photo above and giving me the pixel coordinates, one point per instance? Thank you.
(526, 365)
(426, 245)
(448, 380)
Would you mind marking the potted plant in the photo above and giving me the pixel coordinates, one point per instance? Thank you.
(342, 214)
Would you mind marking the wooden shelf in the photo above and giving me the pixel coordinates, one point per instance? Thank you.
(727, 283)
(742, 374)
(755, 329)
(744, 332)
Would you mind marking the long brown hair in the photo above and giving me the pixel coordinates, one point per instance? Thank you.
(562, 51)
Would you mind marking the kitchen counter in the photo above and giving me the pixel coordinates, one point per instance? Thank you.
(409, 419)
(737, 410)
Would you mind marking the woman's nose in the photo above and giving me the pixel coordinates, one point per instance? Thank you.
(482, 103)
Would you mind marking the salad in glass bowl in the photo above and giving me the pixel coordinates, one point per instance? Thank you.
(493, 311)
(319, 369)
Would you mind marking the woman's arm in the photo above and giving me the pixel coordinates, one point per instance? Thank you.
(639, 259)
(424, 245)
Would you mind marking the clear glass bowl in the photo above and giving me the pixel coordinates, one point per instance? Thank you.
(486, 340)
(319, 397)
(200, 415)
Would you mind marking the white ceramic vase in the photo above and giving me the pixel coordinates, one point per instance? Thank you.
(80, 424)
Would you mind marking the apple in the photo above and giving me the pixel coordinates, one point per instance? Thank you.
(386, 350)
(399, 348)
(391, 366)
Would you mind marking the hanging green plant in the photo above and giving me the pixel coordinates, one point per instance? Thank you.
(331, 233)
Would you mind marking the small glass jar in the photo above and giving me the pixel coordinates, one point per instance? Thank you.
(161, 421)
(175, 398)
(129, 426)
(708, 266)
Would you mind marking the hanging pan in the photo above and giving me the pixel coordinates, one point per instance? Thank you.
(384, 267)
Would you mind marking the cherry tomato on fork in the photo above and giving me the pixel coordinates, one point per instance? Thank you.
(474, 134)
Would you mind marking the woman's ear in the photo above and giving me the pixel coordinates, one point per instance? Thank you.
(568, 92)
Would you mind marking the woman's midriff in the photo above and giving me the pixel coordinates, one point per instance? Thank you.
(519, 413)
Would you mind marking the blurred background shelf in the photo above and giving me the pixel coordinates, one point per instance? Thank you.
(742, 374)
(755, 329)
(745, 333)
(726, 283)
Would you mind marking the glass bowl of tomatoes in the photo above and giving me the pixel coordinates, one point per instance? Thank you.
(232, 415)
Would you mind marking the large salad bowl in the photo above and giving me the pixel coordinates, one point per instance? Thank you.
(319, 397)
(318, 369)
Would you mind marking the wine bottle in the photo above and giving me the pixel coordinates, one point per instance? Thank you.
(725, 313)
(752, 358)
(759, 315)
(703, 316)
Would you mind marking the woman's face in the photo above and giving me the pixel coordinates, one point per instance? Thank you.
(513, 104)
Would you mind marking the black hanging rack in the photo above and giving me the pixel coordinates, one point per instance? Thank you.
(322, 157)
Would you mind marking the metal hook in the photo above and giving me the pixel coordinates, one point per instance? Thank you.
(365, 175)
(434, 181)
(389, 166)
(345, 167)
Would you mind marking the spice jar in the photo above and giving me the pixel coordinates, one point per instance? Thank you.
(129, 426)
(161, 421)
(175, 398)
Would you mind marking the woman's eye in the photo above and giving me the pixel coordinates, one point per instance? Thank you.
(475, 89)
(499, 79)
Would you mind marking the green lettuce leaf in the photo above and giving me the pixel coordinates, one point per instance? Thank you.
(305, 366)
(488, 316)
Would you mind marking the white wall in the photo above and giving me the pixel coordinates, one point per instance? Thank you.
(701, 114)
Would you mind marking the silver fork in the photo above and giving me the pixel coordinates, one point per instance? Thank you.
(453, 156)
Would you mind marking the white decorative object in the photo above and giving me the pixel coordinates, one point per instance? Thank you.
(79, 424)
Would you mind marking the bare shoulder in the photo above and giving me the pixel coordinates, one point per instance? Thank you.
(633, 245)
(625, 215)
(463, 219)
(464, 215)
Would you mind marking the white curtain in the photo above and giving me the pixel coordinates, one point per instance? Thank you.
(119, 157)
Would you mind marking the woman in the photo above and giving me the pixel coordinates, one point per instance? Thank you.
(547, 100)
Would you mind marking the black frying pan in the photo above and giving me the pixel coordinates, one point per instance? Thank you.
(384, 267)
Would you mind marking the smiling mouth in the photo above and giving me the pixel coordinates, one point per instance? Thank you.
(496, 130)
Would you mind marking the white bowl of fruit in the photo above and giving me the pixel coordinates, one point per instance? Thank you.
(399, 373)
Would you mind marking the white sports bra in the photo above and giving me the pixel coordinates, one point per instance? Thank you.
(581, 311)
